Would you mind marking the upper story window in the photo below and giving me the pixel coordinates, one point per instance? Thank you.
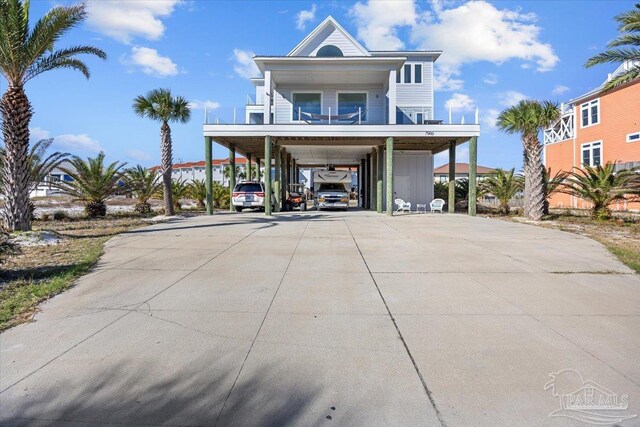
(592, 154)
(590, 113)
(310, 103)
(633, 137)
(353, 102)
(410, 74)
(329, 51)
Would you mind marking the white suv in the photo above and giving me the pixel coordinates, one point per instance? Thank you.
(248, 194)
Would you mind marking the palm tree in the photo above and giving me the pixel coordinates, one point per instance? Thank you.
(198, 192)
(179, 190)
(92, 182)
(504, 185)
(26, 52)
(226, 172)
(221, 196)
(528, 118)
(160, 105)
(602, 186)
(143, 184)
(624, 48)
(39, 166)
(552, 185)
(440, 190)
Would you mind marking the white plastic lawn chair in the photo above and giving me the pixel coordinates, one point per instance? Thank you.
(402, 205)
(436, 205)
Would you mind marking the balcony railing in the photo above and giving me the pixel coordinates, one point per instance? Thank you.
(252, 114)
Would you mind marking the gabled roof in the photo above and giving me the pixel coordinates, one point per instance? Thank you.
(330, 21)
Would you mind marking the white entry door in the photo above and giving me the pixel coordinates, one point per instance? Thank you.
(402, 188)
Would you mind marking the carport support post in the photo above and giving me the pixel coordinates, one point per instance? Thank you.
(208, 173)
(390, 176)
(232, 174)
(278, 175)
(249, 172)
(367, 183)
(374, 173)
(451, 205)
(267, 175)
(379, 178)
(473, 168)
(258, 169)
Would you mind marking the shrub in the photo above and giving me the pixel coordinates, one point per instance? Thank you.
(60, 215)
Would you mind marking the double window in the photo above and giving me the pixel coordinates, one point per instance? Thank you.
(590, 113)
(309, 103)
(592, 154)
(410, 74)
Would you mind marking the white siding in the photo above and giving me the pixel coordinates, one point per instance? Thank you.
(260, 94)
(418, 166)
(417, 95)
(375, 100)
(331, 35)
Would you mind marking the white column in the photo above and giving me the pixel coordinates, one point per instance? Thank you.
(392, 97)
(267, 97)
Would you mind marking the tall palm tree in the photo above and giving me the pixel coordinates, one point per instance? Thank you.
(93, 182)
(528, 118)
(625, 47)
(143, 184)
(160, 105)
(602, 186)
(26, 52)
(503, 185)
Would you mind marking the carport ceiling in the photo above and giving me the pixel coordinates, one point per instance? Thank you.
(325, 155)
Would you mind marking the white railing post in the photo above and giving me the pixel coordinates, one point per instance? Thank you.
(449, 115)
(462, 120)
(234, 115)
(329, 115)
(477, 112)
(299, 115)
(206, 116)
(217, 120)
(359, 115)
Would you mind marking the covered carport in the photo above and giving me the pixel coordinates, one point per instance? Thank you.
(369, 148)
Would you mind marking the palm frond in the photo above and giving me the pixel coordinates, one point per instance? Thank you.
(142, 183)
(160, 105)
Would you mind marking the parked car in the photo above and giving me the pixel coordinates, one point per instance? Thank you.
(248, 194)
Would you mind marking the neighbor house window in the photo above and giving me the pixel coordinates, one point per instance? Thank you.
(590, 113)
(310, 103)
(592, 154)
(352, 103)
(407, 73)
(418, 73)
(633, 137)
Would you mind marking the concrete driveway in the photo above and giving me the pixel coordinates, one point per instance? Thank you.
(331, 319)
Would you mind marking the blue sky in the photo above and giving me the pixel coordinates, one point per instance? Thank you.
(495, 53)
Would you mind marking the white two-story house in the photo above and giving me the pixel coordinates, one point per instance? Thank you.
(331, 102)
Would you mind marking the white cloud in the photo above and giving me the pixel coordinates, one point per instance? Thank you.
(559, 90)
(71, 143)
(472, 32)
(511, 98)
(460, 102)
(305, 16)
(244, 65)
(153, 63)
(74, 143)
(139, 155)
(124, 20)
(490, 79)
(377, 22)
(490, 117)
(198, 104)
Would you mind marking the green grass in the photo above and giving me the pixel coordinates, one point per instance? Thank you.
(19, 298)
(630, 256)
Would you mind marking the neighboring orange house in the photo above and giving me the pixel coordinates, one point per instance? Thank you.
(596, 128)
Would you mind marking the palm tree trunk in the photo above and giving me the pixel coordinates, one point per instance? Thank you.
(536, 179)
(527, 184)
(167, 163)
(16, 114)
